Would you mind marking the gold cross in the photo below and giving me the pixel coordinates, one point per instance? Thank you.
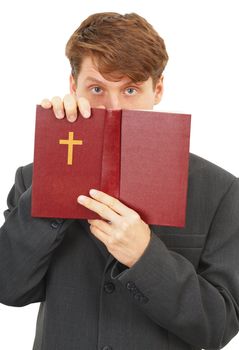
(70, 142)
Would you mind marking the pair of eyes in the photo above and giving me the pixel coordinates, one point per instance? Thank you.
(97, 90)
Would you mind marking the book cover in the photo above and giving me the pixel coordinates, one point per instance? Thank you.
(139, 157)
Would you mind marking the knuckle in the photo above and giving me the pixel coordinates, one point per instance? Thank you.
(45, 103)
(135, 216)
(70, 107)
(84, 107)
(83, 102)
(97, 223)
(112, 203)
(125, 226)
(56, 101)
(69, 101)
(119, 236)
(67, 97)
(93, 229)
(101, 212)
(111, 241)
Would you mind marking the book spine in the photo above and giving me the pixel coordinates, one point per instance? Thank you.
(110, 173)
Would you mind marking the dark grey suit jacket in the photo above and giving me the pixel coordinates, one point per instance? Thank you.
(183, 293)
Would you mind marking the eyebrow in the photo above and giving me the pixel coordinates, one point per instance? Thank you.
(94, 80)
(98, 81)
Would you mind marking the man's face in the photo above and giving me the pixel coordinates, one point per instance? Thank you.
(114, 95)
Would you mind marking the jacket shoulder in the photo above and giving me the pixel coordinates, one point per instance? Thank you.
(26, 172)
(208, 177)
(200, 165)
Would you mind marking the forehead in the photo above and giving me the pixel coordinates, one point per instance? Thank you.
(89, 73)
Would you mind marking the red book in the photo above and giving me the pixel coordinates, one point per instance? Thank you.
(139, 157)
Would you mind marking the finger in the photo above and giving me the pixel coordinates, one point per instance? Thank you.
(111, 202)
(84, 107)
(58, 108)
(104, 238)
(102, 225)
(101, 107)
(70, 107)
(99, 208)
(45, 103)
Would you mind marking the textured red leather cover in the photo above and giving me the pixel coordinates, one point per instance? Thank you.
(140, 157)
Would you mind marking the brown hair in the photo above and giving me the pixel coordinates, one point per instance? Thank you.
(119, 45)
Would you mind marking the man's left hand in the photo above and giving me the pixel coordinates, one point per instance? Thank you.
(121, 229)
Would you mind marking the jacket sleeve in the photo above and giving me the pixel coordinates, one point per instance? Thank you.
(26, 246)
(201, 307)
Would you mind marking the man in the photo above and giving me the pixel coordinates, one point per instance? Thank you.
(118, 283)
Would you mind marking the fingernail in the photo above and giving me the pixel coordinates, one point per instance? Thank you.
(46, 104)
(81, 199)
(86, 113)
(93, 192)
(59, 114)
(71, 118)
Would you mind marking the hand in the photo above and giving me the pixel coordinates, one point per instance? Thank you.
(68, 106)
(122, 231)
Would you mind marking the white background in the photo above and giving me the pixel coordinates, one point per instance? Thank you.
(201, 78)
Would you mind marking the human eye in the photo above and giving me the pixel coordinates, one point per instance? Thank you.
(130, 91)
(97, 90)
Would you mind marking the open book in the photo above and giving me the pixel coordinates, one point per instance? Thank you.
(139, 157)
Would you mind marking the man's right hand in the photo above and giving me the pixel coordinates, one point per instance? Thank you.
(68, 107)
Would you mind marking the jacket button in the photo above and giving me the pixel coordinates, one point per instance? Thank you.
(54, 224)
(109, 287)
(130, 285)
(106, 347)
(138, 296)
